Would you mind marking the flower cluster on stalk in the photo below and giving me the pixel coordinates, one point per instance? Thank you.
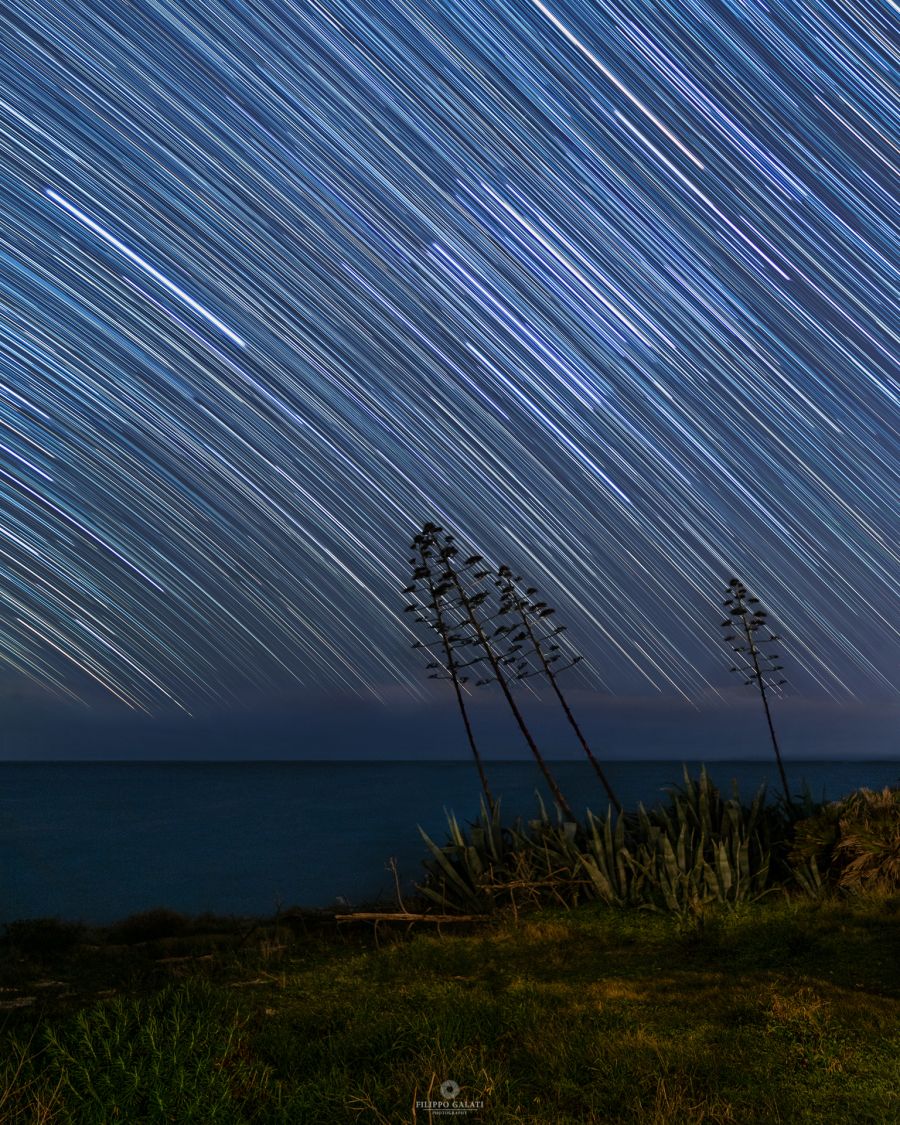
(749, 636)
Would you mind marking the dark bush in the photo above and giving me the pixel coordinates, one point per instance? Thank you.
(42, 938)
(853, 844)
(149, 925)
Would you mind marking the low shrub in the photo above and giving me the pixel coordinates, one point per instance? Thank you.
(179, 1055)
(148, 925)
(852, 845)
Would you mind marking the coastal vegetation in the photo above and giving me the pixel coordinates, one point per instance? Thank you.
(757, 981)
(486, 619)
(696, 852)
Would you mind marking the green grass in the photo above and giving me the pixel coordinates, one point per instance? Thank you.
(785, 1012)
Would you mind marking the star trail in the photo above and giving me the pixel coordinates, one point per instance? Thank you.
(608, 288)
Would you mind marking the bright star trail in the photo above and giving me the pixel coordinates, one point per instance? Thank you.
(609, 288)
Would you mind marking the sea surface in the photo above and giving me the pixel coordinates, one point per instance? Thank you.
(97, 841)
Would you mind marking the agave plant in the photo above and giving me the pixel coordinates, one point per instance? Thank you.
(457, 872)
(748, 633)
(617, 877)
(495, 865)
(698, 849)
(530, 627)
(705, 848)
(449, 596)
(432, 603)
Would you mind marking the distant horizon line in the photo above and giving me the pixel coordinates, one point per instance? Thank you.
(416, 761)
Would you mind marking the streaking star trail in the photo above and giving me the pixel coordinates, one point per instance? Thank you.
(138, 260)
(607, 287)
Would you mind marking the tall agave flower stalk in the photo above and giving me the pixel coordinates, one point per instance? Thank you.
(462, 584)
(434, 609)
(495, 660)
(749, 635)
(531, 629)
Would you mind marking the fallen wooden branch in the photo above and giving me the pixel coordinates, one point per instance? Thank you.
(396, 916)
(519, 883)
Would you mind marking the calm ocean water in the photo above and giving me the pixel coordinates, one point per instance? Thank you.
(98, 840)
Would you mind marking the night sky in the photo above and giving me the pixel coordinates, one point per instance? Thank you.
(609, 289)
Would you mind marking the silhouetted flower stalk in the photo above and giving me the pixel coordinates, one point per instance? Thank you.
(470, 625)
(470, 603)
(531, 618)
(434, 610)
(755, 661)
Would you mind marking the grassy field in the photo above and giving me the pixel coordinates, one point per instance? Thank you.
(784, 1012)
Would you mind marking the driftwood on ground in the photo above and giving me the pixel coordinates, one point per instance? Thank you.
(405, 916)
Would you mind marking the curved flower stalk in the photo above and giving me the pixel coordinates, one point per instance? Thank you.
(531, 629)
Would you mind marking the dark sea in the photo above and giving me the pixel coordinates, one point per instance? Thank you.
(96, 841)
